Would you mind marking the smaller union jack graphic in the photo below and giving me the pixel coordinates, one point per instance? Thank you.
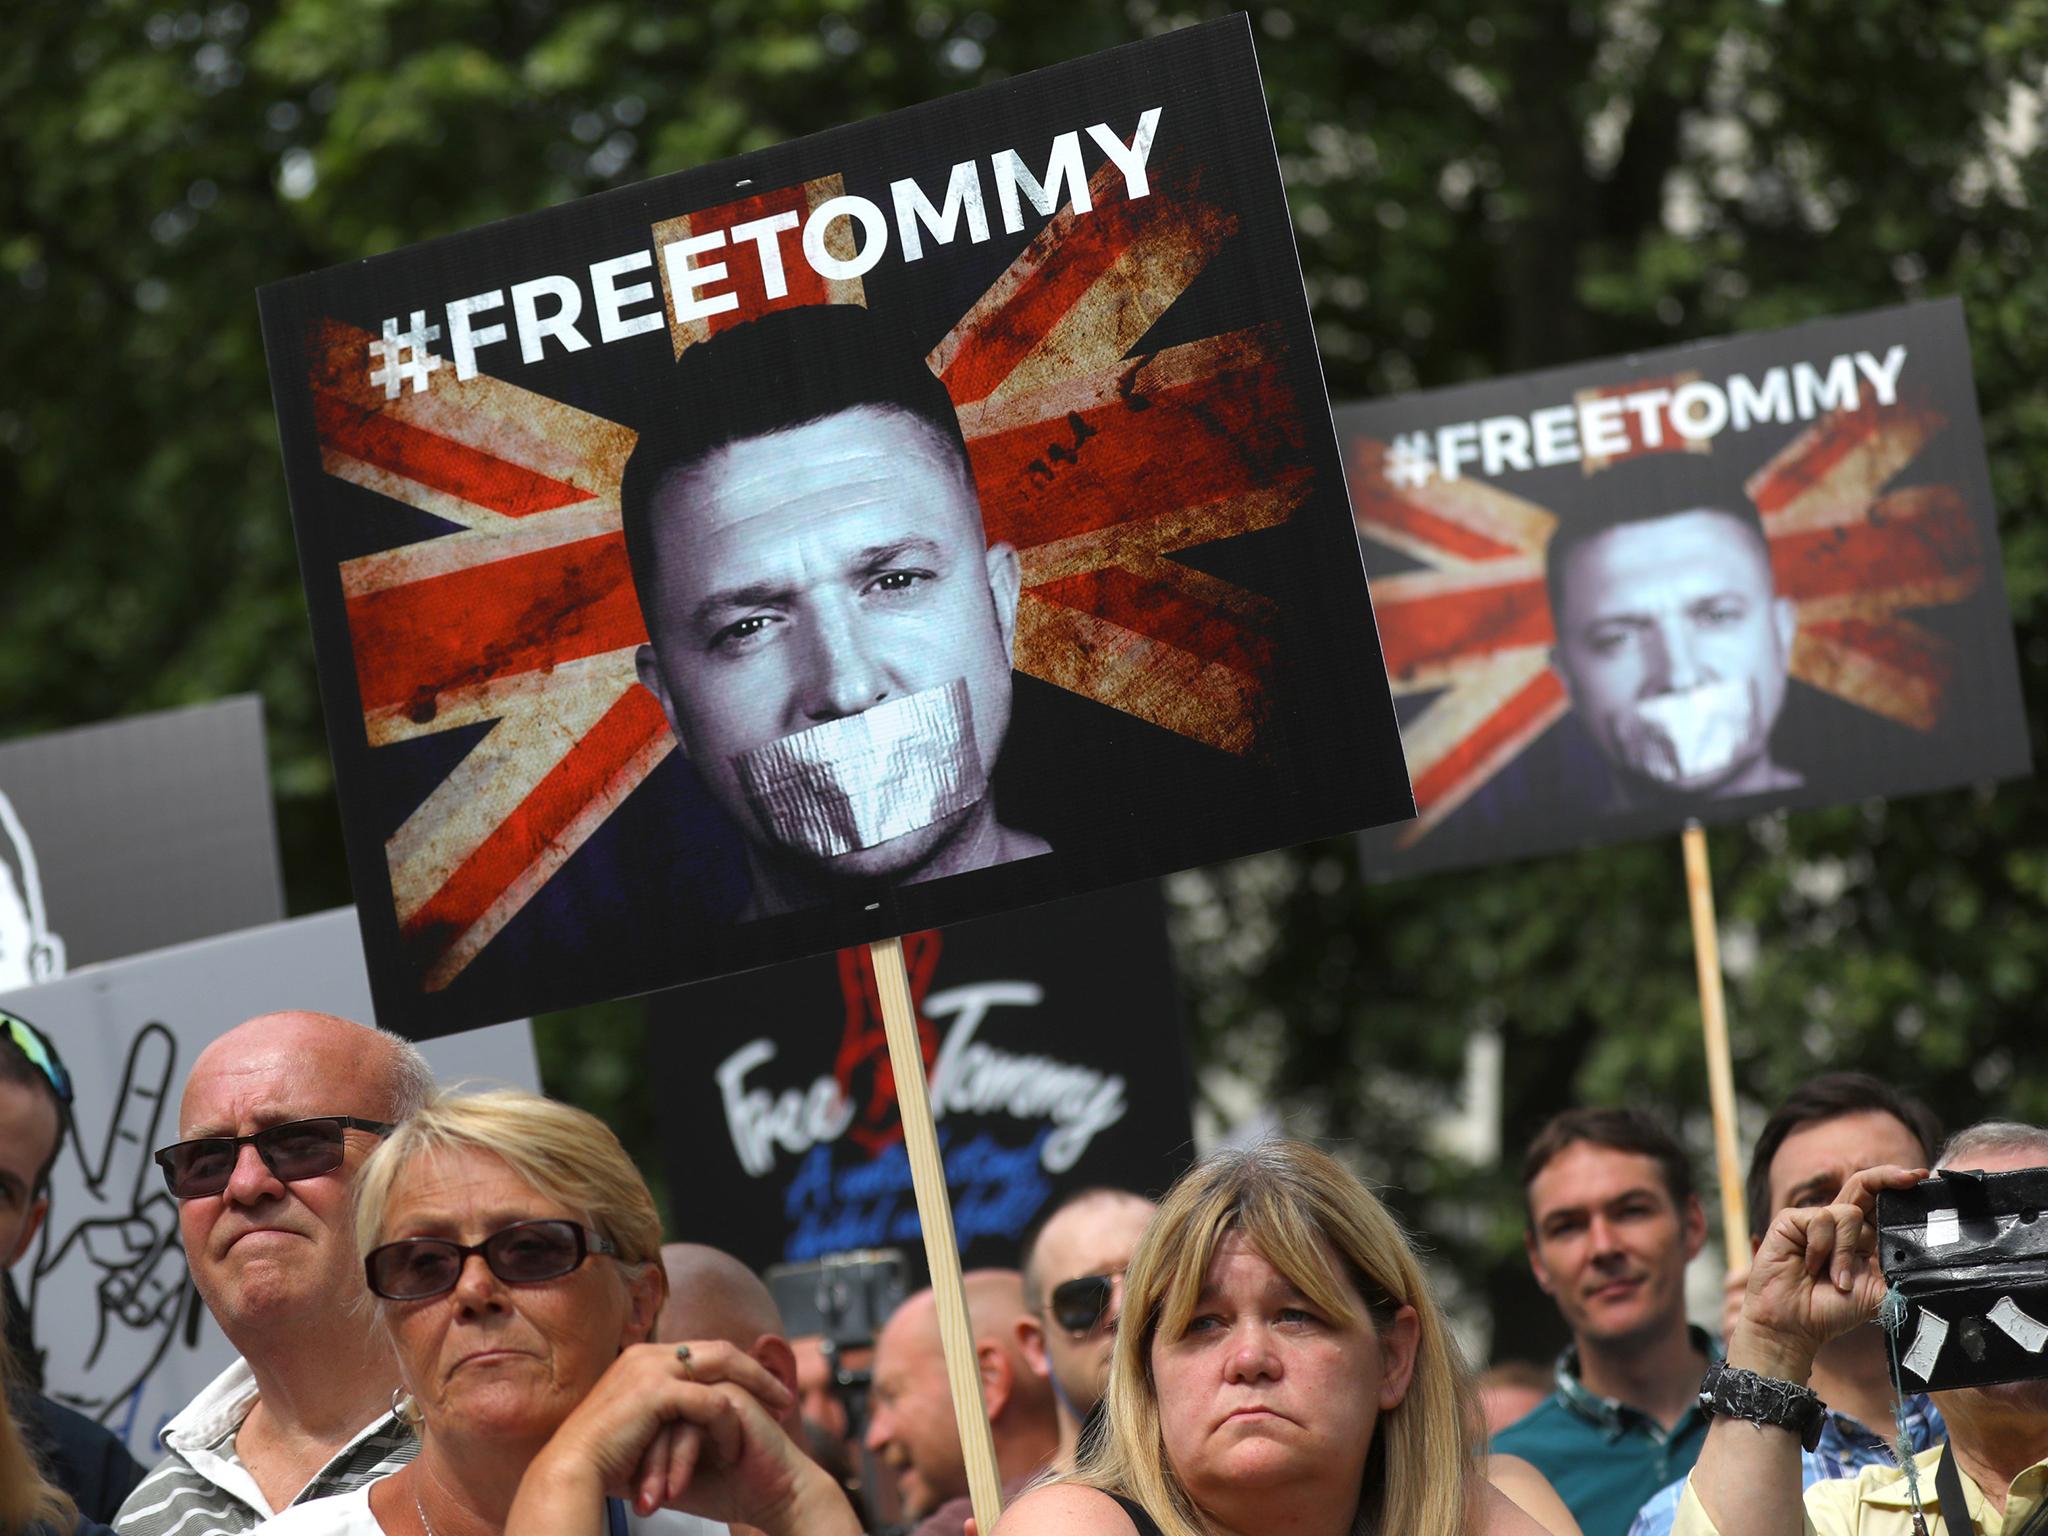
(1472, 628)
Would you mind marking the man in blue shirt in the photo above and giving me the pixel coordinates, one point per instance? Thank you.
(1830, 1127)
(1612, 1222)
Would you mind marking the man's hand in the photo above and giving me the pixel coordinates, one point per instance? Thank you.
(1815, 1277)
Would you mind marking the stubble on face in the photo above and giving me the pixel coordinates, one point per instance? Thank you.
(1608, 1244)
(813, 574)
(1677, 608)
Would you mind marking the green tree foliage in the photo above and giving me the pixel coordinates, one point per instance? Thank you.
(1478, 186)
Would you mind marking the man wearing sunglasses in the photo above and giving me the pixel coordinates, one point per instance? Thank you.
(1073, 1263)
(278, 1114)
(80, 1456)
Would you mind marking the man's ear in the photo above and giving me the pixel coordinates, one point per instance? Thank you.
(1031, 1345)
(37, 1210)
(772, 1353)
(648, 666)
(1693, 1222)
(1785, 617)
(1005, 585)
(996, 1378)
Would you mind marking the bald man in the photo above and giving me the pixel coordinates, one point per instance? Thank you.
(306, 1410)
(712, 1295)
(911, 1427)
(1074, 1261)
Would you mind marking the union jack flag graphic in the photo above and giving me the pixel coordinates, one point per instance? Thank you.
(1095, 464)
(1473, 625)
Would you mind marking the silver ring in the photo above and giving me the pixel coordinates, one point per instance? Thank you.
(683, 1354)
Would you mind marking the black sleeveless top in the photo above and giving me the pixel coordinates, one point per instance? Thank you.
(1146, 1525)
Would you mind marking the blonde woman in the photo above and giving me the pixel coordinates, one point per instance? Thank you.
(515, 1255)
(1280, 1366)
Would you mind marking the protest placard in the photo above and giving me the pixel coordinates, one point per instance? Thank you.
(133, 835)
(123, 1334)
(894, 527)
(1687, 585)
(1056, 1060)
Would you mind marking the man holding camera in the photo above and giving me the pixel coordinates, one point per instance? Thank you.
(1816, 1277)
(1814, 1143)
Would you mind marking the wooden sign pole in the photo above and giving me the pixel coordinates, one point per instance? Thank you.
(935, 1216)
(1706, 948)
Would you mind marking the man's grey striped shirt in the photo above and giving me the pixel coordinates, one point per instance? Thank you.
(201, 1488)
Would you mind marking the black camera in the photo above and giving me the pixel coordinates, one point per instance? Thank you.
(1968, 1252)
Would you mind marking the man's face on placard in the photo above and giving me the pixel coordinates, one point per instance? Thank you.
(1675, 647)
(812, 575)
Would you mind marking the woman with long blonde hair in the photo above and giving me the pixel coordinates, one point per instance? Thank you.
(1280, 1366)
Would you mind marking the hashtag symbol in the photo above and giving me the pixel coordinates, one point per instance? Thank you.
(406, 355)
(1411, 461)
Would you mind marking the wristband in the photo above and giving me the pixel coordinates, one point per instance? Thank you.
(1733, 1393)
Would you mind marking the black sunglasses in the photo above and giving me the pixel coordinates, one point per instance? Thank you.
(1080, 1305)
(297, 1149)
(525, 1253)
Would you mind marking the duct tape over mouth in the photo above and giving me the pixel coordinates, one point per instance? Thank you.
(851, 783)
(1683, 738)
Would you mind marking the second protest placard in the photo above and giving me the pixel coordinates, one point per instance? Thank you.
(1688, 585)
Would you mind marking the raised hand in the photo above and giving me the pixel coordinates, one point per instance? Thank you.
(1815, 1276)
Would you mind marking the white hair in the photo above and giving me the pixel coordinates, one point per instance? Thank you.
(1972, 1142)
(412, 1080)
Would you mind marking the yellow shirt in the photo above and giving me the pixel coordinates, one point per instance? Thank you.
(1874, 1503)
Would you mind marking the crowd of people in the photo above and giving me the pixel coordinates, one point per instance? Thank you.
(454, 1314)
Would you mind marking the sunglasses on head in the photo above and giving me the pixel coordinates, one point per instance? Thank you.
(525, 1253)
(35, 1045)
(297, 1149)
(1080, 1305)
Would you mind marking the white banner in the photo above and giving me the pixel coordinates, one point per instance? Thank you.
(127, 1340)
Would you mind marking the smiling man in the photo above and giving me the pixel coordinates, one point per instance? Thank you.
(1613, 1221)
(911, 1426)
(830, 630)
(1671, 636)
(278, 1115)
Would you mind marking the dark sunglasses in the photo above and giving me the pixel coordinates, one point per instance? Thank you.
(525, 1253)
(297, 1149)
(35, 1045)
(1080, 1305)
